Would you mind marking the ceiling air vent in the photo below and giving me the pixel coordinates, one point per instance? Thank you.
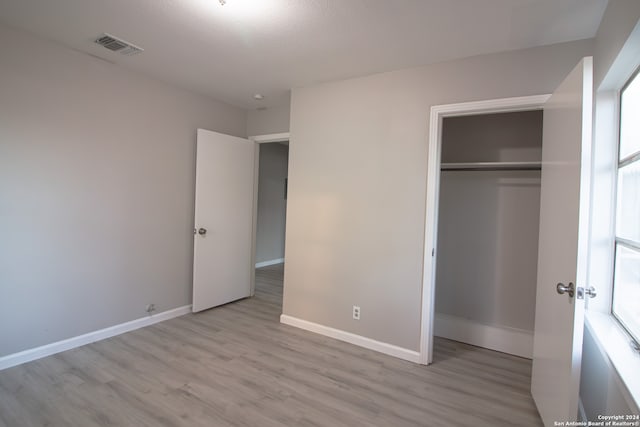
(118, 45)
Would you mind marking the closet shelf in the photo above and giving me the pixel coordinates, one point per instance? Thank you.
(491, 166)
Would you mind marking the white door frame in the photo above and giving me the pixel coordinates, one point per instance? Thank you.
(272, 137)
(438, 112)
(259, 139)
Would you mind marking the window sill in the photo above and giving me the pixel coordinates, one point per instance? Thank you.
(614, 345)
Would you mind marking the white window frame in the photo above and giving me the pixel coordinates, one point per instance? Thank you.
(619, 241)
(611, 339)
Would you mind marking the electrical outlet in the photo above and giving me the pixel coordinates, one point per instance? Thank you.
(151, 308)
(356, 312)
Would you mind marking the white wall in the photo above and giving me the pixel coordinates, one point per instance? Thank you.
(488, 247)
(504, 137)
(601, 389)
(271, 120)
(619, 20)
(357, 182)
(97, 170)
(272, 205)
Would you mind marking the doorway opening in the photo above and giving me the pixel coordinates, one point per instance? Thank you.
(271, 208)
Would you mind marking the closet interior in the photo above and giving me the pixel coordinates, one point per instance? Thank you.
(488, 222)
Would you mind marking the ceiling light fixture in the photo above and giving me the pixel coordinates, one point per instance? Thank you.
(258, 97)
(243, 12)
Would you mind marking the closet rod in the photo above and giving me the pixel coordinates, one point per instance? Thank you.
(491, 166)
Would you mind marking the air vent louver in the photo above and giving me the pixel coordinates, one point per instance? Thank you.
(118, 45)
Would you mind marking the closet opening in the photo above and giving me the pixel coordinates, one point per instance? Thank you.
(482, 227)
(488, 221)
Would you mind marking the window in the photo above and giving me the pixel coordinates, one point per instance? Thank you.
(626, 281)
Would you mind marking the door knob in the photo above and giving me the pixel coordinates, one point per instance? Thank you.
(202, 231)
(569, 289)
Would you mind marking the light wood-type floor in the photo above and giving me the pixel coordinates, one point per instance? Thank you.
(236, 365)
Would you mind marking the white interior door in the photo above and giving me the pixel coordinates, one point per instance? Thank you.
(563, 246)
(223, 235)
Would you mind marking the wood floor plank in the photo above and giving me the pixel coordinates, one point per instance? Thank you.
(236, 365)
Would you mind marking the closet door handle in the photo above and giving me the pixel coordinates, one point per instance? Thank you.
(570, 289)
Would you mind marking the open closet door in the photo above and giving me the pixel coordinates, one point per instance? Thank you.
(563, 247)
(223, 234)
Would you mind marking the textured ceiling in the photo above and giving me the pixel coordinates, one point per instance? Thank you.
(269, 46)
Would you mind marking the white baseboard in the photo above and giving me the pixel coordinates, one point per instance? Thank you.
(270, 262)
(389, 349)
(507, 340)
(60, 346)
